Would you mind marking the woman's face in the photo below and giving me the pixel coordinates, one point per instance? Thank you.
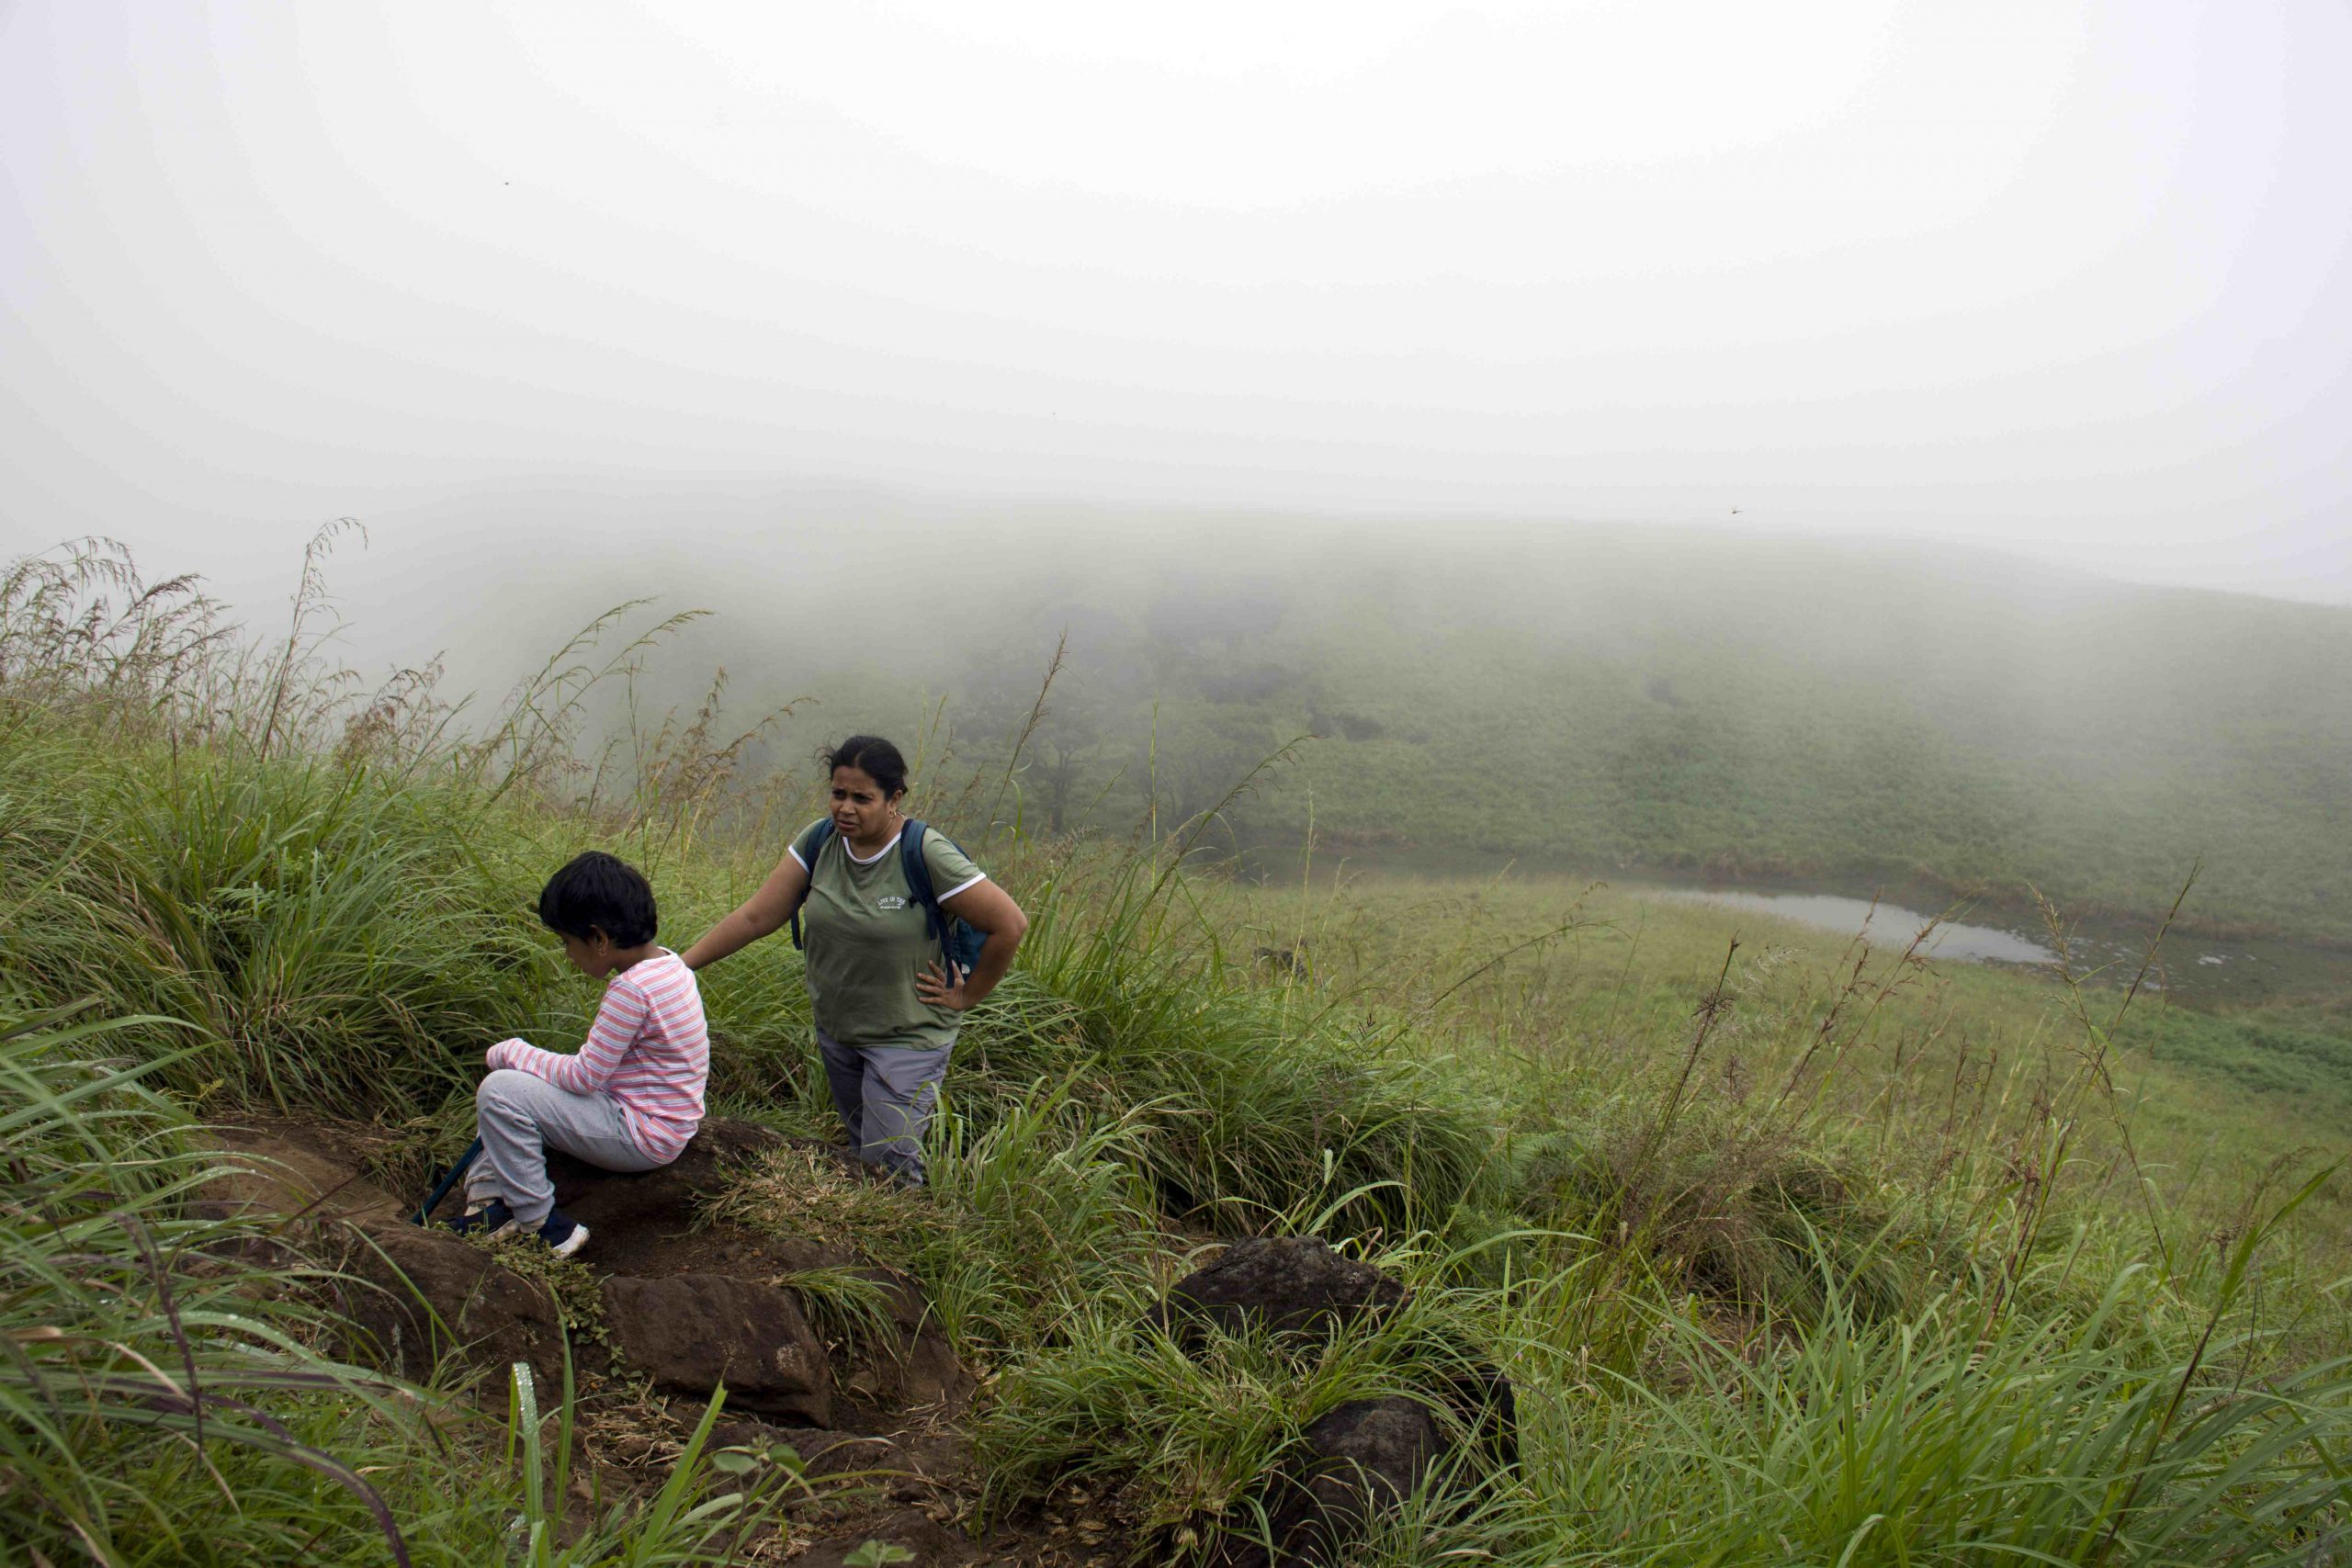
(861, 812)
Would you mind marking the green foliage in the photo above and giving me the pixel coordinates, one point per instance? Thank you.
(1187, 1432)
(1796, 1251)
(1256, 1109)
(333, 934)
(164, 1397)
(849, 1306)
(2255, 1053)
(117, 1344)
(692, 1519)
(1026, 1224)
(2104, 1436)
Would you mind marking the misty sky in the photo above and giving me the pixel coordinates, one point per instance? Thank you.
(2068, 278)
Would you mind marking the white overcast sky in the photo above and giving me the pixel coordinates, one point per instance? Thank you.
(2064, 276)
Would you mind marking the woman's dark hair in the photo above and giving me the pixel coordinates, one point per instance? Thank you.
(599, 893)
(874, 757)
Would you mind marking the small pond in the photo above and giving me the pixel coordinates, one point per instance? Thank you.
(1886, 925)
(2193, 967)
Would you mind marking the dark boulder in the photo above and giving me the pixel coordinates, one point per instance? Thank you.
(700, 1302)
(916, 1367)
(1300, 1290)
(922, 1372)
(622, 1209)
(417, 1295)
(1356, 1463)
(1293, 1287)
(1362, 1460)
(693, 1332)
(1480, 1394)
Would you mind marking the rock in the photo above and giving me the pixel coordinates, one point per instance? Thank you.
(700, 1301)
(650, 1223)
(424, 1293)
(924, 1374)
(1481, 1396)
(276, 1171)
(1296, 1287)
(1293, 1287)
(920, 1371)
(1360, 1460)
(693, 1332)
(622, 1208)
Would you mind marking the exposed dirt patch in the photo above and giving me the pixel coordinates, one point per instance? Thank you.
(665, 1303)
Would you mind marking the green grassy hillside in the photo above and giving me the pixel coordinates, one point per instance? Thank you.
(1796, 1251)
(1679, 700)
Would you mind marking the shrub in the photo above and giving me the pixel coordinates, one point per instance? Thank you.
(164, 1398)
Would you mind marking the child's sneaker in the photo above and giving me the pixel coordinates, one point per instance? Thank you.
(491, 1219)
(563, 1234)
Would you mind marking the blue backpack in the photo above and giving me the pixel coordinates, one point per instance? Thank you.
(959, 940)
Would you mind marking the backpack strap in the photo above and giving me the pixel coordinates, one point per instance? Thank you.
(911, 859)
(817, 839)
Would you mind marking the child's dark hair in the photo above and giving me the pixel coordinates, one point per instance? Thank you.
(874, 757)
(599, 893)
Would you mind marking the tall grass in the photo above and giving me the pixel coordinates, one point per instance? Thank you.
(1028, 1224)
(1789, 1262)
(1183, 1434)
(333, 936)
(1256, 1109)
(2045, 1436)
(169, 1392)
(125, 1329)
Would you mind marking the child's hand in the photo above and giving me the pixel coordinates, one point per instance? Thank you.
(933, 986)
(495, 1057)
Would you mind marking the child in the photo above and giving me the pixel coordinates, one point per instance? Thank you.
(631, 1097)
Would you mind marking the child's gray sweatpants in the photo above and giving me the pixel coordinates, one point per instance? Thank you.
(886, 1095)
(520, 1116)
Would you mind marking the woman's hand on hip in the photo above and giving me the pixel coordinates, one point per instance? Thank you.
(932, 985)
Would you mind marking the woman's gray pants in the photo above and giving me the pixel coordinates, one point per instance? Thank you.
(520, 1116)
(886, 1095)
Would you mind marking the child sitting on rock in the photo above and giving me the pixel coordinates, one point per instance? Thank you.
(629, 1100)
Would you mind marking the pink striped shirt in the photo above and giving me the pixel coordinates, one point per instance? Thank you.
(648, 1051)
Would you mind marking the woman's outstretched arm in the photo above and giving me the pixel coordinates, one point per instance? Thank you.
(755, 916)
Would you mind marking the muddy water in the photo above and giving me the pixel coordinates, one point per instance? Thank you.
(2205, 971)
(1886, 925)
(2191, 968)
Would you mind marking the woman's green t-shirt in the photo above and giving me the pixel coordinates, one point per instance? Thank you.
(867, 941)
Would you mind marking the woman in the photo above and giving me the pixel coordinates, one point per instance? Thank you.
(887, 1005)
